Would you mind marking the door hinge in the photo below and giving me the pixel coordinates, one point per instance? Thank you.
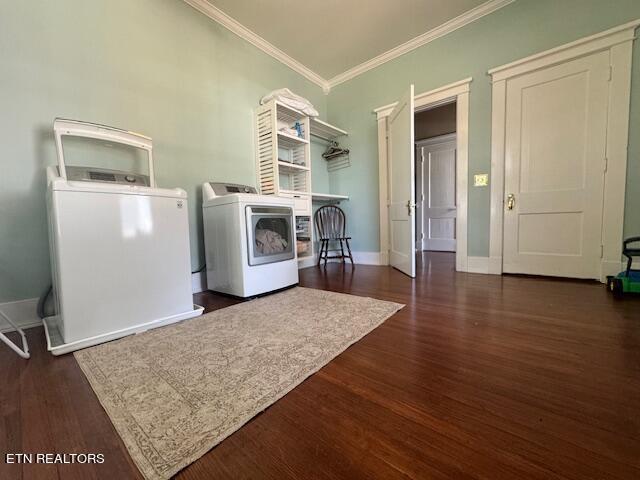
(606, 164)
(601, 251)
(610, 72)
(422, 236)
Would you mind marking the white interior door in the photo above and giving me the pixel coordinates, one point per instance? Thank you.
(401, 186)
(554, 168)
(438, 196)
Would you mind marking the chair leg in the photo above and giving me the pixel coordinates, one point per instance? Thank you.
(326, 252)
(320, 252)
(349, 250)
(629, 263)
(342, 256)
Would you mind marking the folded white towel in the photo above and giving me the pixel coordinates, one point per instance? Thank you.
(290, 99)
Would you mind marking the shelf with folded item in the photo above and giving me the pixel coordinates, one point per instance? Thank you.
(288, 114)
(287, 140)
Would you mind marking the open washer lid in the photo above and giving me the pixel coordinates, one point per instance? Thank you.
(76, 128)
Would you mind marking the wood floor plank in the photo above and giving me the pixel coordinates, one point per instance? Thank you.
(478, 377)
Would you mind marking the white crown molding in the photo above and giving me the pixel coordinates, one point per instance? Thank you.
(433, 34)
(584, 46)
(243, 32)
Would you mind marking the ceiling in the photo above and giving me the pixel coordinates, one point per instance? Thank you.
(332, 36)
(329, 38)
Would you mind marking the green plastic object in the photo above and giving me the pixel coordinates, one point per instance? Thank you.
(629, 280)
(621, 283)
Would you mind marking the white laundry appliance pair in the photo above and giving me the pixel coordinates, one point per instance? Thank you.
(249, 240)
(119, 246)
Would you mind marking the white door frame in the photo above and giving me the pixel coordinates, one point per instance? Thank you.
(619, 42)
(456, 92)
(445, 138)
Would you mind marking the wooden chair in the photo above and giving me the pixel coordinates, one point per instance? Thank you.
(330, 223)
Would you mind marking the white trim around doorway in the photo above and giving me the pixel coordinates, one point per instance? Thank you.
(457, 92)
(619, 42)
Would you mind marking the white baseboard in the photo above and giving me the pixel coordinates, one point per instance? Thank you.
(462, 263)
(359, 258)
(198, 282)
(307, 262)
(495, 265)
(367, 258)
(478, 264)
(22, 312)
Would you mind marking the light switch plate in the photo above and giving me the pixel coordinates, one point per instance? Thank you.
(481, 180)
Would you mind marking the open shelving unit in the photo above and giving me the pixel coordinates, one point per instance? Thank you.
(283, 162)
(283, 159)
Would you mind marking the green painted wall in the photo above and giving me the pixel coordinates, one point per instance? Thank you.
(163, 69)
(153, 66)
(518, 30)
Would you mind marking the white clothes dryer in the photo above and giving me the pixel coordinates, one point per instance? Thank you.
(249, 240)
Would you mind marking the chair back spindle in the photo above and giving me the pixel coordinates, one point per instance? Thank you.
(330, 222)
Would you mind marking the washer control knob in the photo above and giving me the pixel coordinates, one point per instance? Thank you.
(130, 178)
(246, 190)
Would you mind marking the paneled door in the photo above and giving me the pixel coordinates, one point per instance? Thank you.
(555, 143)
(437, 195)
(401, 185)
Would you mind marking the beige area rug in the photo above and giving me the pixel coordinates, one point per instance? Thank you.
(175, 392)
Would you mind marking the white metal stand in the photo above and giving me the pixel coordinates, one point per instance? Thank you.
(24, 352)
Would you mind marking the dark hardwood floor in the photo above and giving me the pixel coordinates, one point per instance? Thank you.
(477, 377)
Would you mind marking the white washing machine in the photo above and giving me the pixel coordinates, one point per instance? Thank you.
(249, 240)
(119, 247)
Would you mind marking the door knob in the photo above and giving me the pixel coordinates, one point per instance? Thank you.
(410, 206)
(511, 201)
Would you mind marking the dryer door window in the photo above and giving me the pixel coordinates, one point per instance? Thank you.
(269, 234)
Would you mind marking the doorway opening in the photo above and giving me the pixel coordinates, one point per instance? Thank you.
(396, 160)
(435, 179)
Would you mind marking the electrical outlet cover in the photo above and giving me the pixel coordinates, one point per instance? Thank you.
(481, 180)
